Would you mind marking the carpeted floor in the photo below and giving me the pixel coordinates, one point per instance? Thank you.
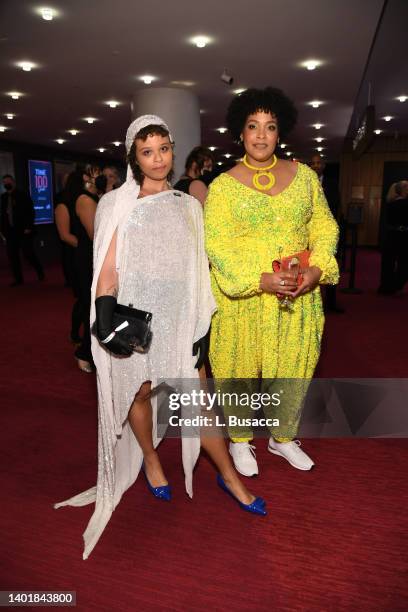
(334, 539)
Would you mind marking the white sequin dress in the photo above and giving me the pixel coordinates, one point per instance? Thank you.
(162, 268)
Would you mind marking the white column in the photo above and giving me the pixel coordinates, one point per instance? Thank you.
(180, 110)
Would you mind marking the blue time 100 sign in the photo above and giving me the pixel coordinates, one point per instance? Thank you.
(40, 175)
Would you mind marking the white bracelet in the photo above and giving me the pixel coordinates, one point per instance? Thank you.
(113, 334)
(109, 338)
(122, 326)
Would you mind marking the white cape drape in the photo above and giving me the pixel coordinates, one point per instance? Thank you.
(119, 455)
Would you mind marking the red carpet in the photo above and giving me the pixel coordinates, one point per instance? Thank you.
(371, 338)
(334, 539)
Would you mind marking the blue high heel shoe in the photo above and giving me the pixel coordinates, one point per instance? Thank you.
(163, 492)
(256, 507)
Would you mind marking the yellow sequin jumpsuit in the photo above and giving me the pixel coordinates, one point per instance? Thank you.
(252, 337)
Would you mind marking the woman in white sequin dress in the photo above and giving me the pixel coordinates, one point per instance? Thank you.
(149, 252)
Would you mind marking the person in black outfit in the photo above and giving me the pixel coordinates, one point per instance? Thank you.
(331, 191)
(17, 226)
(65, 263)
(84, 210)
(394, 263)
(64, 220)
(199, 163)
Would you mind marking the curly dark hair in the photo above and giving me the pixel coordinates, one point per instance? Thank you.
(131, 156)
(269, 100)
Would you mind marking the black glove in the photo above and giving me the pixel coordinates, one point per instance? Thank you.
(105, 307)
(201, 347)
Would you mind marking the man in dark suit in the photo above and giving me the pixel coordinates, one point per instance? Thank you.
(331, 191)
(17, 227)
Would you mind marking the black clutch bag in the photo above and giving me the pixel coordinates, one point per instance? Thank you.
(133, 325)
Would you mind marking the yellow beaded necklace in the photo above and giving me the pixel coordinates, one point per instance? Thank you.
(263, 171)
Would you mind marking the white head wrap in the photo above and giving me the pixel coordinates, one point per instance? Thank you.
(135, 127)
(141, 122)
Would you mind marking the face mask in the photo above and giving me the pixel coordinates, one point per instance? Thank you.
(8, 186)
(101, 182)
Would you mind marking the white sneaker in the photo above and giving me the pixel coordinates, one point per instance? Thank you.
(292, 452)
(243, 456)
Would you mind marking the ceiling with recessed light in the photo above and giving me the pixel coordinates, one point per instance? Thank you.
(93, 52)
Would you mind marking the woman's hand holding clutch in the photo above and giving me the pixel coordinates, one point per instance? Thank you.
(104, 329)
(281, 283)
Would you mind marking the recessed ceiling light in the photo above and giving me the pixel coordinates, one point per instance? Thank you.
(319, 139)
(311, 64)
(200, 41)
(227, 155)
(219, 163)
(402, 98)
(60, 140)
(315, 103)
(90, 119)
(283, 145)
(319, 149)
(113, 103)
(377, 132)
(238, 91)
(222, 130)
(26, 66)
(9, 115)
(15, 95)
(317, 126)
(289, 153)
(73, 132)
(101, 150)
(2, 128)
(388, 118)
(47, 13)
(147, 79)
(212, 148)
(117, 143)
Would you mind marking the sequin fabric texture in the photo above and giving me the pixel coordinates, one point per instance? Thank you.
(157, 274)
(245, 230)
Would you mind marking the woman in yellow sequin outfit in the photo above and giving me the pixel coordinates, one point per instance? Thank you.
(252, 219)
